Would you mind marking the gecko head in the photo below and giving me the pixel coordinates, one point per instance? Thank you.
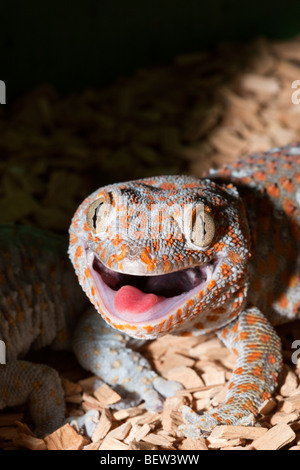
(162, 254)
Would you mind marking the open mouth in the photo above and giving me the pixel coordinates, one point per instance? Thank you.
(137, 298)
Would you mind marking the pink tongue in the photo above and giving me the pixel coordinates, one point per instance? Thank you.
(133, 300)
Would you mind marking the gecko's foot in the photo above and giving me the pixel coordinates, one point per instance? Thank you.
(149, 387)
(157, 390)
(153, 390)
(85, 424)
(196, 425)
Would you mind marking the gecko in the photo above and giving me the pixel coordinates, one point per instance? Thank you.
(179, 255)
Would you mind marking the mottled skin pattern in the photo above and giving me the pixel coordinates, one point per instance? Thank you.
(39, 305)
(136, 255)
(250, 269)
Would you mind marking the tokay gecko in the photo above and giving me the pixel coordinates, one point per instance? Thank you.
(168, 254)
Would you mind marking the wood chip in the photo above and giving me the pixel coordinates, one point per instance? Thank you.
(290, 382)
(276, 438)
(103, 426)
(193, 444)
(280, 417)
(171, 405)
(119, 415)
(106, 395)
(292, 403)
(141, 445)
(267, 407)
(223, 443)
(240, 432)
(157, 440)
(137, 433)
(184, 375)
(65, 438)
(112, 443)
(259, 85)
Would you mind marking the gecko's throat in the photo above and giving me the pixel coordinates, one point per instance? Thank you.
(137, 298)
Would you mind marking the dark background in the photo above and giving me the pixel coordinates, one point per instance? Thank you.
(78, 44)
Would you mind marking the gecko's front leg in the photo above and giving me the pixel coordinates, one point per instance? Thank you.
(108, 354)
(255, 342)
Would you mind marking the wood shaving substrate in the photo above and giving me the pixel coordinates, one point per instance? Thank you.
(201, 111)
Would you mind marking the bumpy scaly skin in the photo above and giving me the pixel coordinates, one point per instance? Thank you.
(254, 258)
(39, 305)
(244, 280)
(110, 355)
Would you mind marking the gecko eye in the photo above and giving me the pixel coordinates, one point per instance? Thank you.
(203, 228)
(96, 215)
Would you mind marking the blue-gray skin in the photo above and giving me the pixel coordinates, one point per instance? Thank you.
(40, 302)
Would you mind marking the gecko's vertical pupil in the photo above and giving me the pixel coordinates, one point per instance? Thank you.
(95, 216)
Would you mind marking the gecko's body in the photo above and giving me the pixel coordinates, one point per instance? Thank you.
(182, 255)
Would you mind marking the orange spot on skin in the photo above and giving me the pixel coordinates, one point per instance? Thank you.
(265, 338)
(235, 258)
(166, 263)
(288, 206)
(117, 258)
(130, 327)
(117, 240)
(103, 254)
(161, 324)
(218, 247)
(190, 303)
(168, 186)
(271, 167)
(287, 184)
(150, 263)
(266, 395)
(87, 272)
(251, 319)
(78, 252)
(257, 372)
(272, 359)
(226, 270)
(199, 326)
(273, 190)
(253, 356)
(211, 285)
(224, 333)
(190, 185)
(73, 238)
(239, 370)
(283, 301)
(200, 295)
(260, 176)
(148, 328)
(243, 335)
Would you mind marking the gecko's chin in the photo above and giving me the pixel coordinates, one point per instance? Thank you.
(137, 298)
